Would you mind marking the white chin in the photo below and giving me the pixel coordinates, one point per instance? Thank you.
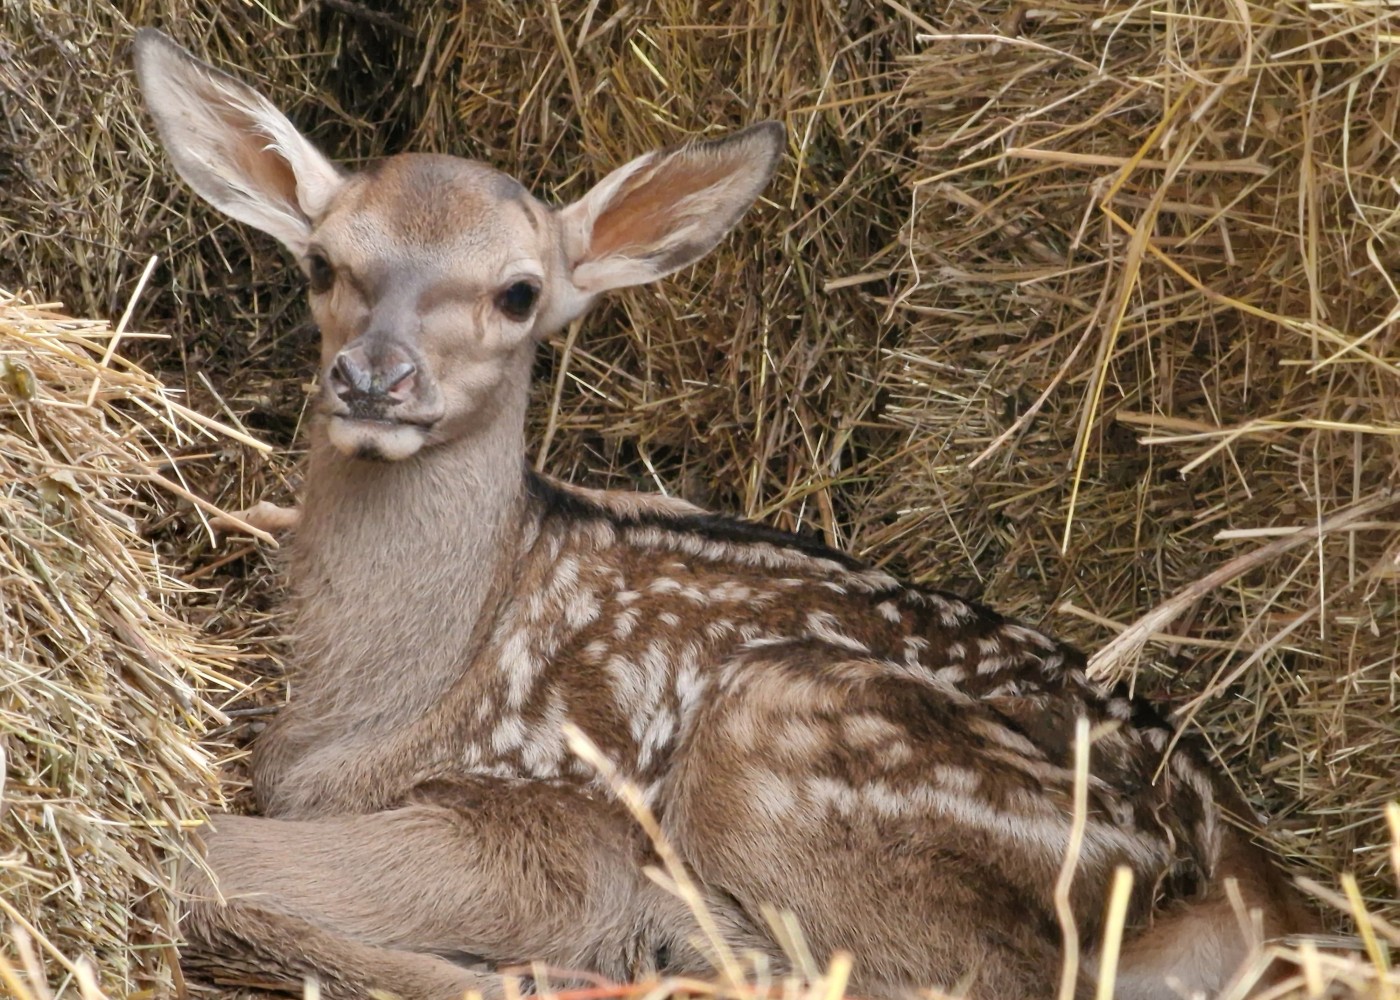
(371, 439)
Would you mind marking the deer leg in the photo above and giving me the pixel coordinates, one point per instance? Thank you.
(511, 873)
(263, 515)
(249, 943)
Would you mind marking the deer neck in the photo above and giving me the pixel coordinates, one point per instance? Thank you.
(396, 565)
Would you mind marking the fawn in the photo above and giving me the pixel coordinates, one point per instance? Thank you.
(890, 764)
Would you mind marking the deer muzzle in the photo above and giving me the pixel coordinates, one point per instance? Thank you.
(380, 399)
(372, 383)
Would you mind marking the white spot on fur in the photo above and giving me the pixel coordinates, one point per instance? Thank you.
(521, 668)
(639, 686)
(563, 579)
(800, 739)
(1027, 636)
(731, 590)
(897, 754)
(624, 623)
(508, 734)
(690, 686)
(989, 644)
(601, 533)
(470, 759)
(823, 625)
(1003, 736)
(719, 628)
(875, 579)
(543, 751)
(832, 794)
(1043, 831)
(957, 779)
(770, 796)
(951, 614)
(992, 663)
(1007, 689)
(889, 611)
(582, 610)
(627, 685)
(866, 730)
(656, 738)
(760, 639)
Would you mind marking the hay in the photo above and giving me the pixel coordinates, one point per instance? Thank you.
(103, 684)
(1083, 309)
(1178, 230)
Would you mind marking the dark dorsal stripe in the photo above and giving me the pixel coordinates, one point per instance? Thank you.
(711, 527)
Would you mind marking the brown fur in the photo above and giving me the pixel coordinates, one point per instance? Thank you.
(890, 764)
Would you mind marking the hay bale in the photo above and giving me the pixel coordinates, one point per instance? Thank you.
(1149, 330)
(1065, 306)
(104, 685)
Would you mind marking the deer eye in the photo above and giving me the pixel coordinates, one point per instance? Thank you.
(517, 300)
(319, 272)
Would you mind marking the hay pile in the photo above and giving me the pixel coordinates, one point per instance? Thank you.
(1074, 307)
(1153, 329)
(104, 685)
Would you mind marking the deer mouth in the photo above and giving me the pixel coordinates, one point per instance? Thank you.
(378, 438)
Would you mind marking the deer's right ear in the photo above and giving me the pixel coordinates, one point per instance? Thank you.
(666, 210)
(231, 145)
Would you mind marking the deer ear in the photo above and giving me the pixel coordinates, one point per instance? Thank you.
(667, 209)
(231, 145)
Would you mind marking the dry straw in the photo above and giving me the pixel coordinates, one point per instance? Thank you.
(1084, 308)
(104, 686)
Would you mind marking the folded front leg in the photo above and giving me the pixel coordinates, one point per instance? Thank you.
(511, 872)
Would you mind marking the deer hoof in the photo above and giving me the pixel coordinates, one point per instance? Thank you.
(263, 516)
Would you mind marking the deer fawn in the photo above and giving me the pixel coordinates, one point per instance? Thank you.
(891, 765)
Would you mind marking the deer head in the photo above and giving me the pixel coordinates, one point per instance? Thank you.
(432, 278)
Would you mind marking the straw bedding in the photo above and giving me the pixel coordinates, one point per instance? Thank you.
(104, 681)
(1086, 309)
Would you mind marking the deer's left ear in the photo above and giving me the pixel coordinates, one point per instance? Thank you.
(231, 145)
(667, 209)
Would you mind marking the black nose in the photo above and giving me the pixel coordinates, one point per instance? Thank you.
(349, 377)
(358, 379)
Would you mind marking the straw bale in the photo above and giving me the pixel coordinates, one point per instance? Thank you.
(1178, 228)
(1085, 309)
(104, 684)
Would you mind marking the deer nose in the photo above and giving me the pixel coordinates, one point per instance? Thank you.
(356, 377)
